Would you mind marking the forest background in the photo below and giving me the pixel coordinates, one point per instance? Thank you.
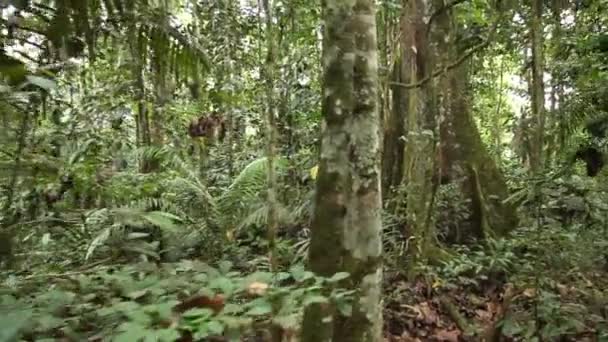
(424, 170)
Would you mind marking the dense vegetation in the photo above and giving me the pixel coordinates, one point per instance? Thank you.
(406, 170)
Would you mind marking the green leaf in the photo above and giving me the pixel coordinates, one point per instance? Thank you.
(164, 221)
(11, 325)
(41, 82)
(338, 277)
(48, 322)
(131, 331)
(260, 308)
(287, 322)
(225, 285)
(225, 266)
(215, 327)
(345, 308)
(314, 299)
(511, 328)
(97, 241)
(168, 335)
(300, 274)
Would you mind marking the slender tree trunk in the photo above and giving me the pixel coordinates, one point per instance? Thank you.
(538, 86)
(142, 122)
(557, 87)
(394, 105)
(346, 227)
(393, 149)
(269, 70)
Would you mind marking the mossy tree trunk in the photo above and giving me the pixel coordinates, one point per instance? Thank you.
(394, 127)
(471, 165)
(395, 106)
(465, 158)
(346, 227)
(419, 155)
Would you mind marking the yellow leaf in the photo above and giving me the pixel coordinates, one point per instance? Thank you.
(313, 172)
(230, 235)
(257, 288)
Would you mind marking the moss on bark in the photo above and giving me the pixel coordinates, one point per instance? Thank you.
(346, 224)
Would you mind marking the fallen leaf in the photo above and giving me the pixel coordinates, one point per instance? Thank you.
(484, 315)
(257, 288)
(530, 293)
(429, 316)
(448, 335)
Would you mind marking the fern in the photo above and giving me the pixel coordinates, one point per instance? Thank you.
(243, 196)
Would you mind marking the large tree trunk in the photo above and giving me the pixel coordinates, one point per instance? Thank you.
(465, 157)
(395, 106)
(346, 227)
(419, 159)
(471, 165)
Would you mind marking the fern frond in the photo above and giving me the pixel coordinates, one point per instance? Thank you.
(259, 217)
(243, 195)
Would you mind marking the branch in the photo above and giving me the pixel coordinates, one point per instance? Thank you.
(184, 41)
(24, 28)
(443, 69)
(24, 41)
(26, 56)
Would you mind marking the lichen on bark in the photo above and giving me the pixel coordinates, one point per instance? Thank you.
(346, 223)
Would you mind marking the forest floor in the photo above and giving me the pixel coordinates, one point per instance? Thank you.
(493, 310)
(69, 306)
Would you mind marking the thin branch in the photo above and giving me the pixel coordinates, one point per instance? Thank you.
(24, 41)
(24, 28)
(26, 56)
(443, 69)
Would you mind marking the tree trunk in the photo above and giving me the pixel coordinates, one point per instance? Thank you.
(394, 105)
(481, 180)
(419, 159)
(346, 227)
(269, 71)
(394, 129)
(465, 157)
(538, 86)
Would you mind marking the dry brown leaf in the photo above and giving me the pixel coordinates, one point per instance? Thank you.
(429, 316)
(448, 335)
(563, 289)
(484, 315)
(530, 293)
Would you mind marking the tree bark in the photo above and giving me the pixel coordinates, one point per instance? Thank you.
(465, 158)
(269, 71)
(419, 159)
(538, 86)
(346, 227)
